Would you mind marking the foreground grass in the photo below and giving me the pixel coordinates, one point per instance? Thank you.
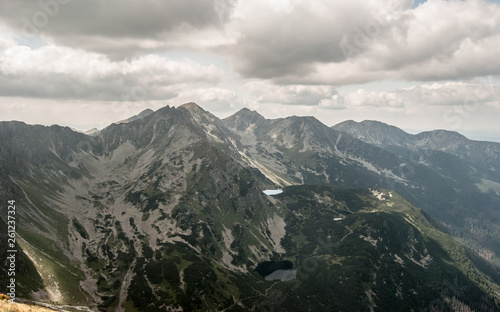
(20, 307)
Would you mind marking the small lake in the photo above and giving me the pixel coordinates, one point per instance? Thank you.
(276, 270)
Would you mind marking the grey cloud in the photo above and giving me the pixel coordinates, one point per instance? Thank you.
(78, 23)
(289, 94)
(439, 40)
(294, 43)
(354, 42)
(67, 87)
(303, 44)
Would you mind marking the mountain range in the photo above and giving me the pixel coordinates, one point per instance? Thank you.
(166, 212)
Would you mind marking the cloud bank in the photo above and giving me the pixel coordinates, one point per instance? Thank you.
(286, 56)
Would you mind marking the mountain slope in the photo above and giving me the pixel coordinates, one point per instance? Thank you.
(120, 204)
(470, 167)
(301, 150)
(371, 250)
(141, 115)
(167, 212)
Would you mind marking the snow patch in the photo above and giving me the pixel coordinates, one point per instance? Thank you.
(377, 194)
(273, 192)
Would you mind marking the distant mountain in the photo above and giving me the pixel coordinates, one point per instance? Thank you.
(93, 131)
(302, 150)
(141, 115)
(484, 155)
(472, 168)
(243, 119)
(167, 213)
(376, 133)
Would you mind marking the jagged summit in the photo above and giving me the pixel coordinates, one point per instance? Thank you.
(191, 106)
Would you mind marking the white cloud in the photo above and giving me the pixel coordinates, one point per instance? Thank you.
(216, 100)
(80, 115)
(6, 38)
(452, 93)
(265, 92)
(67, 73)
(387, 100)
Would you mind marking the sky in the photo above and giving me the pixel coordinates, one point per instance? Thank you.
(418, 65)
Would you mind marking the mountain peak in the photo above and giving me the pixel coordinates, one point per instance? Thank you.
(198, 113)
(91, 132)
(375, 132)
(191, 106)
(444, 134)
(247, 114)
(195, 110)
(243, 119)
(145, 113)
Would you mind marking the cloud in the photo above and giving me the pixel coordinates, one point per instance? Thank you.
(458, 94)
(116, 28)
(478, 91)
(293, 41)
(467, 95)
(214, 99)
(325, 42)
(66, 73)
(6, 38)
(361, 98)
(288, 95)
(285, 41)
